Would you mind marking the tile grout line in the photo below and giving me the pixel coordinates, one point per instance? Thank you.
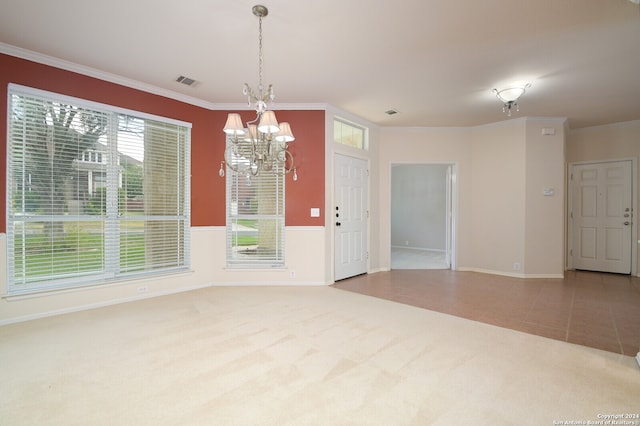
(535, 301)
(615, 329)
(573, 298)
(613, 319)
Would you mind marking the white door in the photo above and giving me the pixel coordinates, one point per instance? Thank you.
(350, 216)
(601, 212)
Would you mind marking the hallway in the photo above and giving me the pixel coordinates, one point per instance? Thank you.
(597, 310)
(409, 258)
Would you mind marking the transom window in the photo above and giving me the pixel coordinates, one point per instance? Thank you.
(95, 193)
(349, 134)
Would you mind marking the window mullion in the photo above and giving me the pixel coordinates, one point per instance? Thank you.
(112, 225)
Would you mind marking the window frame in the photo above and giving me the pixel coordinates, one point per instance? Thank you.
(233, 181)
(111, 233)
(350, 124)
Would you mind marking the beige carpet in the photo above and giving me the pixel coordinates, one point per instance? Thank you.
(297, 356)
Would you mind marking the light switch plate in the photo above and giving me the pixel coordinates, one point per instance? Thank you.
(315, 212)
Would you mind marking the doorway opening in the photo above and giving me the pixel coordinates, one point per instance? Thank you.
(422, 219)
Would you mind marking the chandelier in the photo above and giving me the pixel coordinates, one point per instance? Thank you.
(510, 96)
(263, 145)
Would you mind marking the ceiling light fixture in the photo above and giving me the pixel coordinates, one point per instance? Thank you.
(263, 144)
(510, 96)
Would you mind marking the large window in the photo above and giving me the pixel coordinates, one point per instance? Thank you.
(255, 218)
(94, 194)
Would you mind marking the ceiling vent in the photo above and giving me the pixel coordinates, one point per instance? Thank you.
(186, 80)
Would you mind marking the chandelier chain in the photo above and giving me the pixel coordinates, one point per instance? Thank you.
(260, 87)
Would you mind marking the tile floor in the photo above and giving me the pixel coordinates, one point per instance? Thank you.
(587, 308)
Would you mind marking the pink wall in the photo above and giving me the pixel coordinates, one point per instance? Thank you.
(207, 139)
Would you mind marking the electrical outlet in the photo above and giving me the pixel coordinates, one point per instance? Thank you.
(143, 289)
(516, 266)
(292, 274)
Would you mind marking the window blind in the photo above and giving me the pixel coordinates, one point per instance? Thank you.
(94, 193)
(255, 218)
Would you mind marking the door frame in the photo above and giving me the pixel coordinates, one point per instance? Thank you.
(634, 206)
(452, 207)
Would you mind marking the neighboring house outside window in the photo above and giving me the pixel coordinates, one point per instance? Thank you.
(92, 179)
(75, 218)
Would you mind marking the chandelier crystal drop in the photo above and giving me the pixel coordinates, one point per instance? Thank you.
(261, 146)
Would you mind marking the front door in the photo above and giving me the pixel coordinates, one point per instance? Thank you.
(350, 216)
(602, 215)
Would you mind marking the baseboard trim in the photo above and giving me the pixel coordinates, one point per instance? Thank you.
(103, 304)
(509, 274)
(269, 284)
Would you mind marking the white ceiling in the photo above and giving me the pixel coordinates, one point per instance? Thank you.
(434, 61)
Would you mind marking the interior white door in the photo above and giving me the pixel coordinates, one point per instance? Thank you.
(601, 212)
(350, 216)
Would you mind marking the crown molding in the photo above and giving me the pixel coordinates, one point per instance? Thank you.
(279, 107)
(41, 58)
(619, 125)
(101, 75)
